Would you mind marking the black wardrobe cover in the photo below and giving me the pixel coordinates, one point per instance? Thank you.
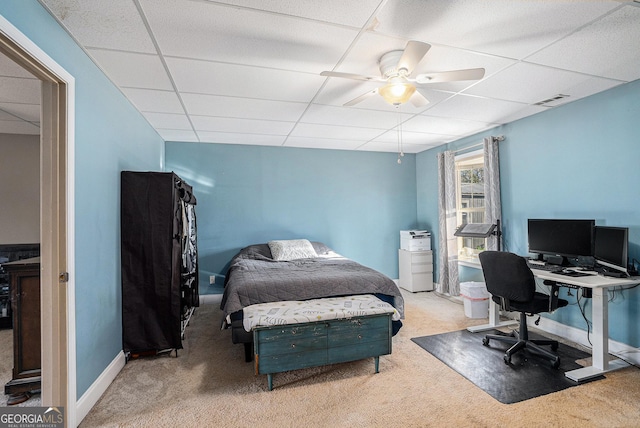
(152, 239)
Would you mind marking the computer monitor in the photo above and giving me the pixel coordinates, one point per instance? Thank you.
(611, 247)
(566, 239)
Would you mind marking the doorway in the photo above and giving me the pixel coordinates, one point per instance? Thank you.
(57, 290)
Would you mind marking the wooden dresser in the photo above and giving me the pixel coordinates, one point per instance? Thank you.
(296, 346)
(24, 280)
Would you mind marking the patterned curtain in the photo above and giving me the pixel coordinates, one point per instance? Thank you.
(448, 249)
(492, 205)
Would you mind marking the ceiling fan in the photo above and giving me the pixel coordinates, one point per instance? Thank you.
(396, 68)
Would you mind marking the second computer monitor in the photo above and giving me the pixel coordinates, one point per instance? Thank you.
(611, 246)
(561, 237)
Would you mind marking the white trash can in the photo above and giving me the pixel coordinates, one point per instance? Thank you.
(475, 298)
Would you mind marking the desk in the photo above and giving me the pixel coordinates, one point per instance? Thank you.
(599, 318)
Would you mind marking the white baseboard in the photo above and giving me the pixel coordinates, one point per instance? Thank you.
(95, 391)
(576, 335)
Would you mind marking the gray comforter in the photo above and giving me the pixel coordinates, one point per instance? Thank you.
(254, 277)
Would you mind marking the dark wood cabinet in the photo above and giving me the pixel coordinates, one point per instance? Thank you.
(24, 280)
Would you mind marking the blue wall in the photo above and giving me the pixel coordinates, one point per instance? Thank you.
(355, 202)
(579, 160)
(110, 136)
(585, 153)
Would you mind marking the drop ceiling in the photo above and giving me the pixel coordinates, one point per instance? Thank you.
(248, 71)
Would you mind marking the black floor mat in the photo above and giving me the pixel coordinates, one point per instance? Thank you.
(527, 376)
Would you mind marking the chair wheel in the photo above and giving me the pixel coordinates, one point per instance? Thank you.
(507, 359)
(485, 341)
(554, 347)
(556, 363)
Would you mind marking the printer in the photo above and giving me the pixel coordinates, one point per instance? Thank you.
(415, 240)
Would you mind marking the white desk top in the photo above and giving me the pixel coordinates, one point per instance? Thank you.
(588, 281)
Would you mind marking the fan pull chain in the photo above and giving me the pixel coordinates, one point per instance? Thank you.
(399, 129)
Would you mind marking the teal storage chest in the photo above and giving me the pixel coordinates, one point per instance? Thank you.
(296, 346)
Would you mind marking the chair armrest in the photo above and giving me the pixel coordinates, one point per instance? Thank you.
(553, 297)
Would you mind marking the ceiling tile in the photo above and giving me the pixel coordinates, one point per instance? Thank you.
(132, 69)
(243, 81)
(18, 127)
(353, 117)
(377, 146)
(475, 108)
(415, 138)
(168, 121)
(530, 83)
(244, 126)
(113, 24)
(354, 14)
(248, 108)
(6, 115)
(589, 86)
(336, 132)
(210, 31)
(444, 126)
(28, 112)
(512, 29)
(524, 112)
(182, 135)
(608, 47)
(151, 100)
(240, 138)
(19, 90)
(9, 68)
(322, 143)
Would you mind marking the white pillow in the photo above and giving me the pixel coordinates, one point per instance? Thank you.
(291, 249)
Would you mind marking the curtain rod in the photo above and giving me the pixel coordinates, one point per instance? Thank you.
(498, 138)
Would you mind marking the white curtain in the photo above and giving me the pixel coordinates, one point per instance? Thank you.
(448, 249)
(492, 205)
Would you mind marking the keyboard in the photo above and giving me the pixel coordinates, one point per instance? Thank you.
(559, 270)
(544, 266)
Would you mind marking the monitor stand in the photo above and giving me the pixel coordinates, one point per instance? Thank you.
(557, 260)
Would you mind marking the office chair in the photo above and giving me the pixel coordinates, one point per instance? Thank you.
(512, 285)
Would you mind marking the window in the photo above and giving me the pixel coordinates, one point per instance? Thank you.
(470, 201)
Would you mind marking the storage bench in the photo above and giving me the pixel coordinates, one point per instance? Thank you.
(333, 337)
(296, 346)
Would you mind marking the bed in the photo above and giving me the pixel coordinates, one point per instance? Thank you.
(297, 270)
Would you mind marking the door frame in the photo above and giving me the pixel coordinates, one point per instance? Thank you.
(57, 218)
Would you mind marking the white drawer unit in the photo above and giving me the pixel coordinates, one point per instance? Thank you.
(416, 270)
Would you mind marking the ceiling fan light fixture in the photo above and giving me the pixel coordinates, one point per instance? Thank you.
(397, 92)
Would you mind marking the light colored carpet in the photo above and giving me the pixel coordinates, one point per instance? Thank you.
(209, 384)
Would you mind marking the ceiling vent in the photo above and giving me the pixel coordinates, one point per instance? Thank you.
(553, 101)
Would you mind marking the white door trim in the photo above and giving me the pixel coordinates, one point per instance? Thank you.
(39, 56)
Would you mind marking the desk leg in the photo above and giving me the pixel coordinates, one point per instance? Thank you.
(494, 319)
(600, 337)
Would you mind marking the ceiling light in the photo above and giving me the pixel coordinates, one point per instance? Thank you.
(397, 91)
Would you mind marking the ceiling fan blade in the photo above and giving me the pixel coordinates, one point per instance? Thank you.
(348, 76)
(361, 98)
(413, 54)
(451, 76)
(418, 100)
